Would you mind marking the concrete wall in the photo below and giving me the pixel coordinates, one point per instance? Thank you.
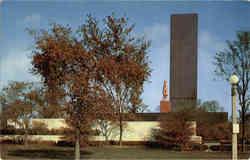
(133, 130)
(51, 123)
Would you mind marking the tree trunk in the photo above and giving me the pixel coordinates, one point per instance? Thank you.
(121, 130)
(77, 144)
(26, 139)
(106, 140)
(26, 135)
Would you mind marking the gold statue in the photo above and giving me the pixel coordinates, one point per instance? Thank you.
(165, 89)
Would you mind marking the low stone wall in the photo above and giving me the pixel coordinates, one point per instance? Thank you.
(51, 123)
(133, 130)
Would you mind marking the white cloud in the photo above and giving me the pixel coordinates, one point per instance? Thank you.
(157, 32)
(15, 67)
(208, 45)
(205, 38)
(208, 89)
(160, 65)
(33, 19)
(210, 42)
(160, 51)
(159, 55)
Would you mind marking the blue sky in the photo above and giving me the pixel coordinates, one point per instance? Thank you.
(217, 22)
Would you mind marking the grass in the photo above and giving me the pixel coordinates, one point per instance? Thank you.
(19, 152)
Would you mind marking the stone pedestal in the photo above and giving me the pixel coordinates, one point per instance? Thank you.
(165, 106)
(194, 138)
(192, 125)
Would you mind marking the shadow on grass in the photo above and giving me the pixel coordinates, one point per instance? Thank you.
(51, 154)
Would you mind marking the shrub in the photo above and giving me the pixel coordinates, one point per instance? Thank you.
(199, 147)
(174, 130)
(16, 140)
(215, 148)
(220, 131)
(153, 144)
(227, 147)
(97, 143)
(36, 131)
(7, 141)
(65, 143)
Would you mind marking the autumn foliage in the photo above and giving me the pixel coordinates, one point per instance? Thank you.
(100, 70)
(174, 130)
(123, 65)
(18, 104)
(213, 126)
(215, 132)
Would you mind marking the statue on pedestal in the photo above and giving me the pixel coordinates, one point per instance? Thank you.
(165, 105)
(165, 90)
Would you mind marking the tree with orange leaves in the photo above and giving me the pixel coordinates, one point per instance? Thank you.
(100, 70)
(123, 64)
(68, 69)
(18, 104)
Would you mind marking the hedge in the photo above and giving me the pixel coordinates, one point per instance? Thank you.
(40, 131)
(35, 131)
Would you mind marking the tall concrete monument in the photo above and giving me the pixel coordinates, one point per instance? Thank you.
(183, 61)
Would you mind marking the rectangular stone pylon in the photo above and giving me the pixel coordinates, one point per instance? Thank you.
(183, 60)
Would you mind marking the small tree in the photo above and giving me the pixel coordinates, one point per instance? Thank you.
(174, 129)
(236, 60)
(107, 123)
(214, 131)
(124, 64)
(68, 69)
(107, 128)
(91, 68)
(17, 100)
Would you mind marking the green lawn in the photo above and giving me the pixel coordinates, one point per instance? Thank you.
(19, 152)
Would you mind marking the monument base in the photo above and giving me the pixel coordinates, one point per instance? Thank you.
(165, 106)
(196, 139)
